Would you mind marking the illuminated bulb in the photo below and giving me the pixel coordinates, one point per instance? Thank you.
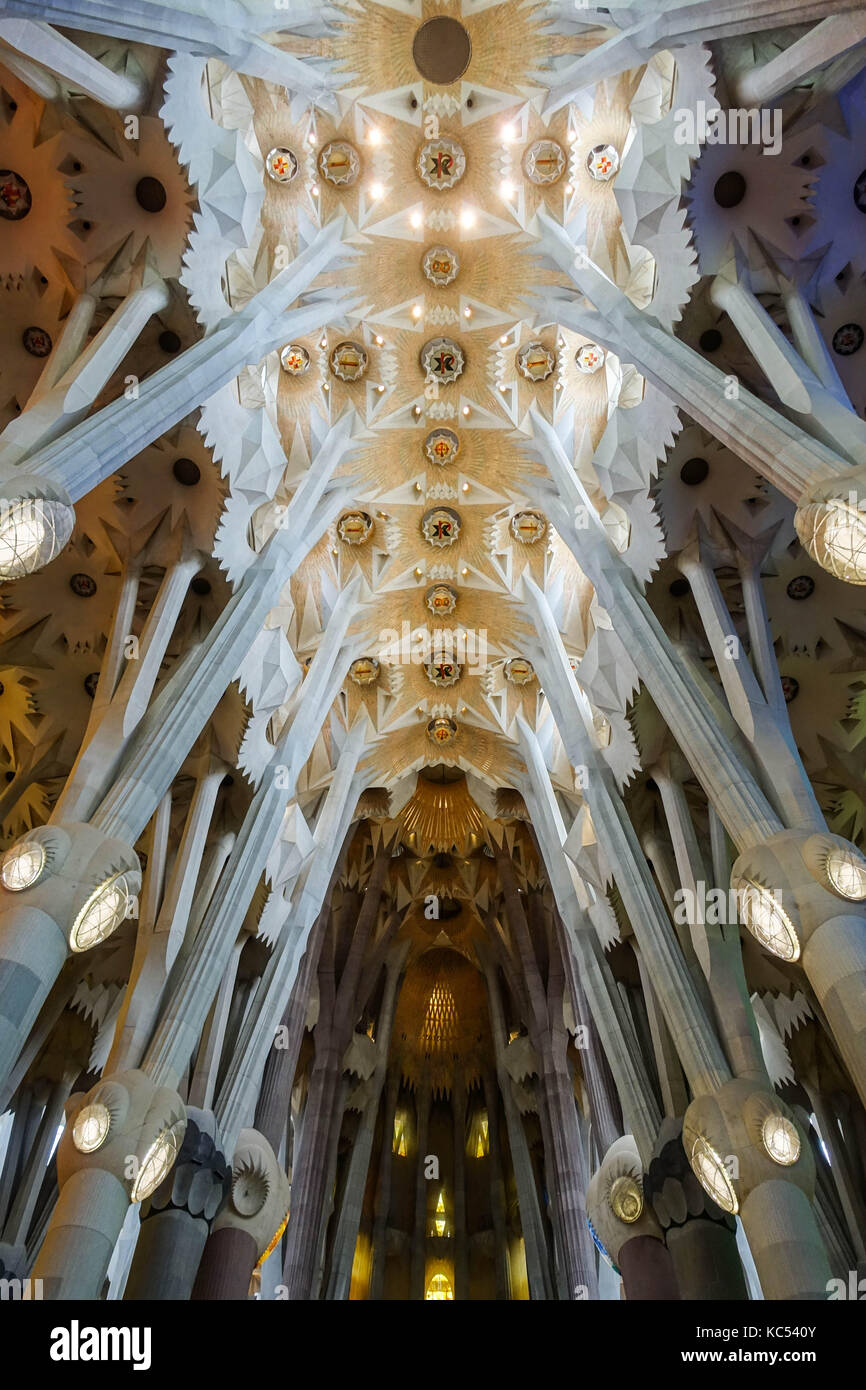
(379, 341)
(466, 410)
(781, 1140)
(467, 218)
(503, 388)
(506, 188)
(158, 1160)
(846, 870)
(102, 913)
(91, 1127)
(376, 190)
(418, 573)
(323, 343)
(509, 133)
(375, 135)
(417, 410)
(417, 311)
(326, 387)
(315, 190)
(504, 339)
(417, 487)
(464, 572)
(764, 916)
(380, 389)
(416, 219)
(22, 866)
(312, 137)
(467, 313)
(568, 190)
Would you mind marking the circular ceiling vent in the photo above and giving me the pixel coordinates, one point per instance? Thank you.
(441, 50)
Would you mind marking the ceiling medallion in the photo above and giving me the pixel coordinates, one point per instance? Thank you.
(282, 164)
(364, 671)
(519, 671)
(443, 672)
(36, 341)
(83, 585)
(440, 265)
(528, 526)
(294, 359)
(340, 163)
(441, 599)
(15, 197)
(349, 361)
(803, 586)
(589, 358)
(602, 162)
(544, 162)
(535, 362)
(442, 446)
(848, 339)
(440, 527)
(354, 528)
(441, 164)
(442, 360)
(442, 729)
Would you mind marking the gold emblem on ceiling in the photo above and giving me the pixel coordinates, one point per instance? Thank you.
(441, 164)
(534, 362)
(442, 446)
(440, 527)
(295, 359)
(354, 527)
(282, 164)
(528, 526)
(519, 671)
(442, 360)
(544, 162)
(340, 163)
(349, 361)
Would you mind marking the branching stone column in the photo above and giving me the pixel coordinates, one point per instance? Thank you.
(383, 1188)
(92, 450)
(565, 1155)
(672, 24)
(229, 30)
(535, 1243)
(332, 1033)
(50, 413)
(831, 495)
(627, 1227)
(75, 67)
(349, 1222)
(176, 1218)
(418, 1261)
(732, 1120)
(125, 1125)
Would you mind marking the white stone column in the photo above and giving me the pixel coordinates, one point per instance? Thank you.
(228, 30)
(833, 37)
(72, 65)
(802, 394)
(54, 411)
(92, 450)
(673, 24)
(237, 1099)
